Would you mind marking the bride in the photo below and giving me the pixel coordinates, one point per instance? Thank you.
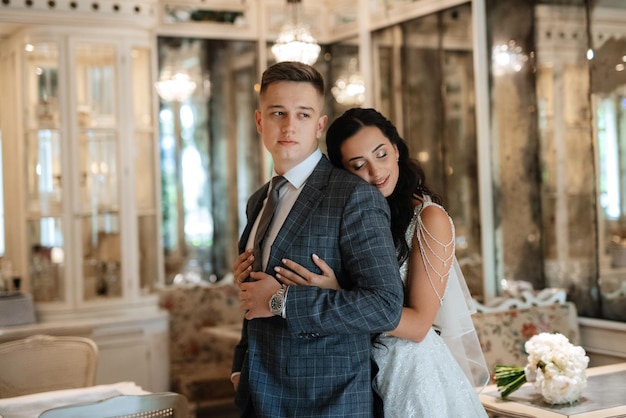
(431, 364)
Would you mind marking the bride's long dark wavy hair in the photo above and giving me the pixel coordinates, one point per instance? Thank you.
(411, 179)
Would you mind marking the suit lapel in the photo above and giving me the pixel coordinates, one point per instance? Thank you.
(256, 203)
(299, 216)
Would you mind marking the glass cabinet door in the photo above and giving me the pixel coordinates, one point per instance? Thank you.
(98, 209)
(145, 171)
(44, 176)
(83, 228)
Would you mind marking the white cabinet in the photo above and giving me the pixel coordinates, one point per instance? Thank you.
(80, 168)
(80, 156)
(131, 347)
(134, 349)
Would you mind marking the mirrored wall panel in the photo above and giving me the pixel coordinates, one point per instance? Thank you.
(425, 85)
(211, 156)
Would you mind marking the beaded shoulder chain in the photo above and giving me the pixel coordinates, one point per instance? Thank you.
(426, 242)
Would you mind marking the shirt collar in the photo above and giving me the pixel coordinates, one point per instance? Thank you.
(298, 174)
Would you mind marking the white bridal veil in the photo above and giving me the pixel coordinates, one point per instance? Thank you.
(454, 322)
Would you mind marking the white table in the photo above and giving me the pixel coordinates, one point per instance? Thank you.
(30, 406)
(604, 396)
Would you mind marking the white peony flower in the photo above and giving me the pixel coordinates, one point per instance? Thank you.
(555, 367)
(558, 367)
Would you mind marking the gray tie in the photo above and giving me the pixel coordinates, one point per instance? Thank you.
(264, 222)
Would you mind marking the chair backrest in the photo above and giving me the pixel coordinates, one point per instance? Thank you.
(42, 363)
(154, 405)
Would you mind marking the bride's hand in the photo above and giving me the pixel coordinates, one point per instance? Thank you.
(300, 276)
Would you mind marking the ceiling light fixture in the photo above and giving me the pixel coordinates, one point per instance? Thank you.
(295, 42)
(508, 58)
(174, 85)
(349, 89)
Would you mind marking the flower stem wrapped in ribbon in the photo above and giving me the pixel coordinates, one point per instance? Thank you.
(509, 379)
(555, 366)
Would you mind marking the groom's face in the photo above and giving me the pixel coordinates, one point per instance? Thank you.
(290, 122)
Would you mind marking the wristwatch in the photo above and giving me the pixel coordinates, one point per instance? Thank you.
(277, 301)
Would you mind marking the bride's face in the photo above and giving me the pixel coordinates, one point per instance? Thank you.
(370, 155)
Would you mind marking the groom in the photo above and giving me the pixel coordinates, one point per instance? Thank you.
(305, 351)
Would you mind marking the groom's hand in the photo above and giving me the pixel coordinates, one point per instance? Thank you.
(242, 267)
(255, 295)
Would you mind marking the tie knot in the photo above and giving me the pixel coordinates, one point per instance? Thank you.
(278, 182)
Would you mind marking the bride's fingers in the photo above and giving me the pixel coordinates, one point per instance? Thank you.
(307, 274)
(301, 271)
(326, 270)
(289, 277)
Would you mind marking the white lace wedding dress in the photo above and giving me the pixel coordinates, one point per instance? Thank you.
(424, 379)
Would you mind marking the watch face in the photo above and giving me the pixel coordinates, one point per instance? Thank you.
(276, 304)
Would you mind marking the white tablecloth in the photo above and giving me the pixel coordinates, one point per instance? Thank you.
(30, 406)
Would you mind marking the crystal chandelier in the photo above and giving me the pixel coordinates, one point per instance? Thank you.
(295, 42)
(174, 85)
(508, 58)
(349, 89)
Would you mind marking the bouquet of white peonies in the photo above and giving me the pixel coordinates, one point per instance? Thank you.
(556, 367)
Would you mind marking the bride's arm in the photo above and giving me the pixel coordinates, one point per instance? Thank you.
(430, 261)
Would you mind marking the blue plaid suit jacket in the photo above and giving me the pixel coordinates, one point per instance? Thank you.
(316, 363)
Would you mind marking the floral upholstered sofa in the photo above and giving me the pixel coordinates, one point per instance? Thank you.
(205, 323)
(502, 333)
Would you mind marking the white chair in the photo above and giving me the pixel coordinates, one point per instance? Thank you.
(42, 363)
(154, 405)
